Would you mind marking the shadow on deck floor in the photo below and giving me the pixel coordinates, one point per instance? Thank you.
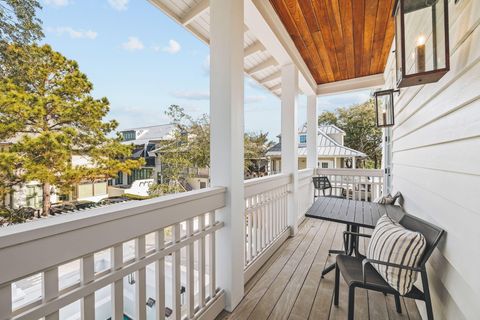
(289, 285)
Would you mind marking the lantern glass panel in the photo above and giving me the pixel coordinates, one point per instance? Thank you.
(424, 36)
(384, 105)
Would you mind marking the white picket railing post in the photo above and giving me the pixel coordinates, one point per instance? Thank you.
(87, 273)
(289, 138)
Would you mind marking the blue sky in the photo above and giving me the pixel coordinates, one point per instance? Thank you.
(142, 61)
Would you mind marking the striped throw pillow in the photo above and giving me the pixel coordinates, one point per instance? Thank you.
(391, 242)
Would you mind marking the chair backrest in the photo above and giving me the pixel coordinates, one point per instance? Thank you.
(321, 183)
(431, 233)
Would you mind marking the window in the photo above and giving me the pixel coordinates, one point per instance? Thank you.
(128, 135)
(139, 174)
(324, 165)
(203, 185)
(303, 138)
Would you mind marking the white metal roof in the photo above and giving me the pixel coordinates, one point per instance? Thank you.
(327, 147)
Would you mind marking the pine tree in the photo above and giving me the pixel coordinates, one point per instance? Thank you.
(46, 106)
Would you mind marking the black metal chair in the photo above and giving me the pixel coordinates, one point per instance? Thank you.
(358, 272)
(323, 183)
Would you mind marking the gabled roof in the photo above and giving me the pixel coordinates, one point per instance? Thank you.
(327, 147)
(153, 133)
(327, 129)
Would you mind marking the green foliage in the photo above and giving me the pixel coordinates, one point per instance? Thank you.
(47, 111)
(358, 122)
(190, 148)
(18, 22)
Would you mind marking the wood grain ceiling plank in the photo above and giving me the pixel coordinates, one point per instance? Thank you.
(379, 35)
(368, 34)
(321, 50)
(289, 24)
(347, 30)
(335, 20)
(358, 26)
(299, 19)
(388, 39)
(326, 34)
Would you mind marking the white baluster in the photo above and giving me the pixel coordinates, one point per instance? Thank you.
(160, 276)
(190, 272)
(201, 261)
(5, 301)
(50, 289)
(211, 263)
(176, 285)
(87, 274)
(140, 283)
(117, 286)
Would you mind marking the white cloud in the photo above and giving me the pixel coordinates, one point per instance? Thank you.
(205, 95)
(119, 5)
(172, 48)
(57, 3)
(74, 33)
(254, 99)
(133, 44)
(192, 95)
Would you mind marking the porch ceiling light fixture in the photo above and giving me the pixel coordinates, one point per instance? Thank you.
(384, 107)
(421, 41)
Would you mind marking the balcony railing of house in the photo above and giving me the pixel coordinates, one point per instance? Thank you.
(160, 238)
(160, 251)
(357, 184)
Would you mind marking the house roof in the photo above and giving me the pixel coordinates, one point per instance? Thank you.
(327, 147)
(153, 133)
(327, 129)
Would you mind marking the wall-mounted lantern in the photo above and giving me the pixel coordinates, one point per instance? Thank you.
(384, 108)
(421, 41)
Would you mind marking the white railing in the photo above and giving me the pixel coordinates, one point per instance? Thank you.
(266, 223)
(144, 259)
(305, 190)
(357, 184)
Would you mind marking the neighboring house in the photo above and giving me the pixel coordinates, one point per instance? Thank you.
(148, 143)
(145, 140)
(331, 150)
(30, 193)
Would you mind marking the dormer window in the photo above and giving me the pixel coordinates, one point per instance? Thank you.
(303, 138)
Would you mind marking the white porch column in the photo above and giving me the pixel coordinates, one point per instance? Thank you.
(354, 163)
(290, 138)
(226, 141)
(312, 135)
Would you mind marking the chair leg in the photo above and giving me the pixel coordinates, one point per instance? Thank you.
(398, 305)
(351, 302)
(337, 285)
(426, 293)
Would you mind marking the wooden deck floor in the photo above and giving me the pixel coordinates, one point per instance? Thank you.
(289, 285)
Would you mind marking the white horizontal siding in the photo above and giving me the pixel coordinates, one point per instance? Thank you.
(436, 164)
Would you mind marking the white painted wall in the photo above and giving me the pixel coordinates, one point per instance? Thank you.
(436, 164)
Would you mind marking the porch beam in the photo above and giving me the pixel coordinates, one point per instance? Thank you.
(271, 77)
(289, 129)
(312, 132)
(226, 136)
(197, 10)
(368, 82)
(262, 65)
(253, 48)
(276, 87)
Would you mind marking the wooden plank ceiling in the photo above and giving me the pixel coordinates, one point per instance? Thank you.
(339, 39)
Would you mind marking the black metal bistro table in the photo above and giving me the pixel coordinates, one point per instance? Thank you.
(354, 214)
